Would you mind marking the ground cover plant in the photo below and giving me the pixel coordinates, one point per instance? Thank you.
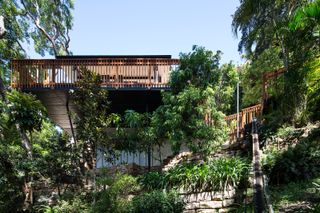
(299, 161)
(215, 175)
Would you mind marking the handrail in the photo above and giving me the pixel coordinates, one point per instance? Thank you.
(269, 75)
(246, 116)
(114, 72)
(257, 171)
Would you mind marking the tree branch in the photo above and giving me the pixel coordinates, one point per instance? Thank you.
(36, 21)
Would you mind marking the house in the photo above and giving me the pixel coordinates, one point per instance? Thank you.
(133, 81)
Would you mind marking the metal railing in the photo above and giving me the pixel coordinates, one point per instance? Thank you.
(114, 72)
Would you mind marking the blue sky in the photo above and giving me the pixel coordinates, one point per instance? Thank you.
(142, 27)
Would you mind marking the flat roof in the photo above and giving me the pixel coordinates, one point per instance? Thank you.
(112, 56)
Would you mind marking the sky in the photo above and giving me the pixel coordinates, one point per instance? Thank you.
(153, 27)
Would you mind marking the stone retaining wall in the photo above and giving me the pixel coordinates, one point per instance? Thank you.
(206, 202)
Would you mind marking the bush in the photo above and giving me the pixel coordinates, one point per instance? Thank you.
(216, 175)
(158, 202)
(299, 162)
(75, 205)
(115, 197)
(152, 181)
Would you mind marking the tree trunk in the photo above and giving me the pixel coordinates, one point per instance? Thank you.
(28, 146)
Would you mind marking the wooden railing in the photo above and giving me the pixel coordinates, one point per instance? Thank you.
(266, 77)
(246, 116)
(115, 72)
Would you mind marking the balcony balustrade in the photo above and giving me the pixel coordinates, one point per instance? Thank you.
(115, 73)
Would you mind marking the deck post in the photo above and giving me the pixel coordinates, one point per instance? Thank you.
(149, 146)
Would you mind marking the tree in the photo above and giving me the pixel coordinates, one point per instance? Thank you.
(47, 159)
(268, 25)
(201, 68)
(228, 76)
(305, 23)
(47, 23)
(23, 114)
(184, 117)
(263, 24)
(26, 114)
(191, 113)
(11, 43)
(252, 76)
(11, 180)
(91, 117)
(52, 21)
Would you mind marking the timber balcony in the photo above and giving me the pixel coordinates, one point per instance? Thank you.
(117, 72)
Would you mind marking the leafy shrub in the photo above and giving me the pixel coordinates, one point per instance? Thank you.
(298, 162)
(216, 175)
(158, 202)
(75, 205)
(284, 132)
(270, 159)
(115, 197)
(152, 180)
(11, 196)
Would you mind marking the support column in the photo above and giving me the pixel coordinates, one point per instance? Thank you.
(149, 147)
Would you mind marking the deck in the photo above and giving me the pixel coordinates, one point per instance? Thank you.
(117, 72)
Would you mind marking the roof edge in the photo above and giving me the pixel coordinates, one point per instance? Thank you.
(112, 56)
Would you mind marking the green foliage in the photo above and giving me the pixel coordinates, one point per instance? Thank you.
(25, 110)
(293, 28)
(16, 32)
(75, 205)
(91, 117)
(140, 137)
(192, 111)
(53, 155)
(313, 81)
(228, 79)
(157, 202)
(306, 16)
(52, 21)
(184, 120)
(298, 162)
(260, 21)
(285, 132)
(296, 193)
(11, 182)
(153, 181)
(133, 132)
(199, 68)
(252, 74)
(216, 175)
(46, 23)
(115, 197)
(51, 152)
